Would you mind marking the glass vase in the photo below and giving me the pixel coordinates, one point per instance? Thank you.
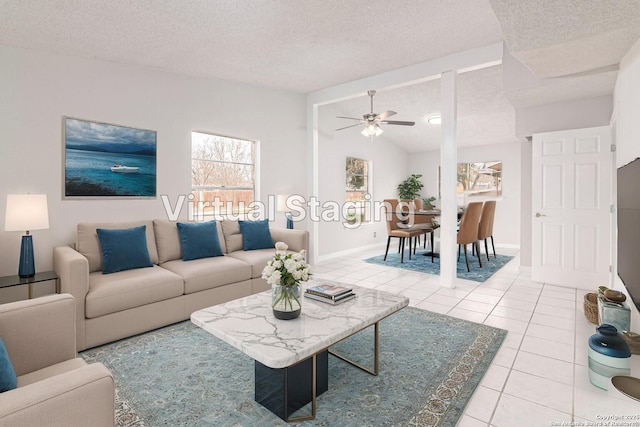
(286, 301)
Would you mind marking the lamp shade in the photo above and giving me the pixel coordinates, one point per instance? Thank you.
(281, 203)
(26, 212)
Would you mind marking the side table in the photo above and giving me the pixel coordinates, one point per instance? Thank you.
(16, 280)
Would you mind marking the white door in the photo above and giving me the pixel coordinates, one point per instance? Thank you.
(571, 190)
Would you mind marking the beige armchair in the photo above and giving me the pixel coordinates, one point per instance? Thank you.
(55, 387)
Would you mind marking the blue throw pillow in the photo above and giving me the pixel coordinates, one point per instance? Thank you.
(124, 249)
(199, 240)
(256, 235)
(8, 380)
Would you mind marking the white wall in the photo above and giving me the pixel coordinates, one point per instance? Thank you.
(627, 107)
(526, 203)
(626, 116)
(37, 89)
(389, 167)
(575, 114)
(506, 229)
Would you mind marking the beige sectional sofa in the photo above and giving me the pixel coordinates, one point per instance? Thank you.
(117, 305)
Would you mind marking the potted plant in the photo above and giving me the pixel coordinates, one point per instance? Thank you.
(428, 202)
(409, 189)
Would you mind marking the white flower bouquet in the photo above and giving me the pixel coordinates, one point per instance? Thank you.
(284, 272)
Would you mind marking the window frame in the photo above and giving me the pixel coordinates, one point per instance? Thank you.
(366, 200)
(199, 188)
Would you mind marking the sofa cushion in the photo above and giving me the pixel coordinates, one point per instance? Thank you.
(168, 240)
(199, 240)
(232, 235)
(123, 249)
(255, 235)
(131, 288)
(257, 259)
(8, 379)
(208, 273)
(89, 245)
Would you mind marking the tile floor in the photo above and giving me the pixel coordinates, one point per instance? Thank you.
(540, 375)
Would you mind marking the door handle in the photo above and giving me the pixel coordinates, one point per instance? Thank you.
(538, 215)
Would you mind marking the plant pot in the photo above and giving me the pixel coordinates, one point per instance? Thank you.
(286, 301)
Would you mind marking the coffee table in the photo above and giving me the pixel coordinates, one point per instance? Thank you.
(291, 356)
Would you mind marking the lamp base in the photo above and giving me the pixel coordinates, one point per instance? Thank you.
(26, 267)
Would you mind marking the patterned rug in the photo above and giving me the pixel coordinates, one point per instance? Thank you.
(180, 375)
(422, 263)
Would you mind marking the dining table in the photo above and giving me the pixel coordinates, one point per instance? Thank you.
(424, 216)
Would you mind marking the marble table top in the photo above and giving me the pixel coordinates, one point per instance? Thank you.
(248, 324)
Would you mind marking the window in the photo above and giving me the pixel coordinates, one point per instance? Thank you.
(480, 179)
(357, 190)
(222, 174)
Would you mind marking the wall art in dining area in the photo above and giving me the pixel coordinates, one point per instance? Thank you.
(104, 160)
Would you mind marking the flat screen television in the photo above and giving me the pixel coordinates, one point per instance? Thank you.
(629, 228)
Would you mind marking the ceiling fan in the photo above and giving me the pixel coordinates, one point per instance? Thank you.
(372, 121)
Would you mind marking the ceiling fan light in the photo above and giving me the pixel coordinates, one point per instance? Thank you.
(434, 119)
(372, 129)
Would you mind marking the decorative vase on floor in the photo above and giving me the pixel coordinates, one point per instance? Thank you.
(286, 301)
(285, 273)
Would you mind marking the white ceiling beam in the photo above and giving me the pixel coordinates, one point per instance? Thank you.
(462, 62)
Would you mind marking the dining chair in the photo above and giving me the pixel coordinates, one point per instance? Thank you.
(485, 229)
(416, 221)
(425, 224)
(468, 231)
(394, 229)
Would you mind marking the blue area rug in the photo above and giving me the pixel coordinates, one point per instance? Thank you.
(422, 263)
(180, 375)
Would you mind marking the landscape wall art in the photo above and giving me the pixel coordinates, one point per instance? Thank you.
(103, 160)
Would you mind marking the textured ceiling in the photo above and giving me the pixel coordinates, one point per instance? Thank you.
(559, 38)
(294, 45)
(304, 46)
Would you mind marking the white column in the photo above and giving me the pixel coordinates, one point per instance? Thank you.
(448, 177)
(313, 179)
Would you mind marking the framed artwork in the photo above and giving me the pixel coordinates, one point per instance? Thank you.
(102, 160)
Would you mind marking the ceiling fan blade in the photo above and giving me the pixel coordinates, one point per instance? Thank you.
(385, 114)
(397, 122)
(350, 126)
(350, 118)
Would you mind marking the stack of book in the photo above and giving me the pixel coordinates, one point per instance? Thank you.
(329, 293)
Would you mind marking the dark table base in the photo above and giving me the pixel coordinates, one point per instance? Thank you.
(285, 390)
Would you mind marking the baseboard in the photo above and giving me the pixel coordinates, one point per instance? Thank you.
(333, 255)
(524, 269)
(507, 246)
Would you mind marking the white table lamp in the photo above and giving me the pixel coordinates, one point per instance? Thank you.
(26, 212)
(281, 206)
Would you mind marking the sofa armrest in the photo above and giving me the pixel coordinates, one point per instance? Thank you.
(80, 397)
(297, 240)
(72, 269)
(39, 332)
